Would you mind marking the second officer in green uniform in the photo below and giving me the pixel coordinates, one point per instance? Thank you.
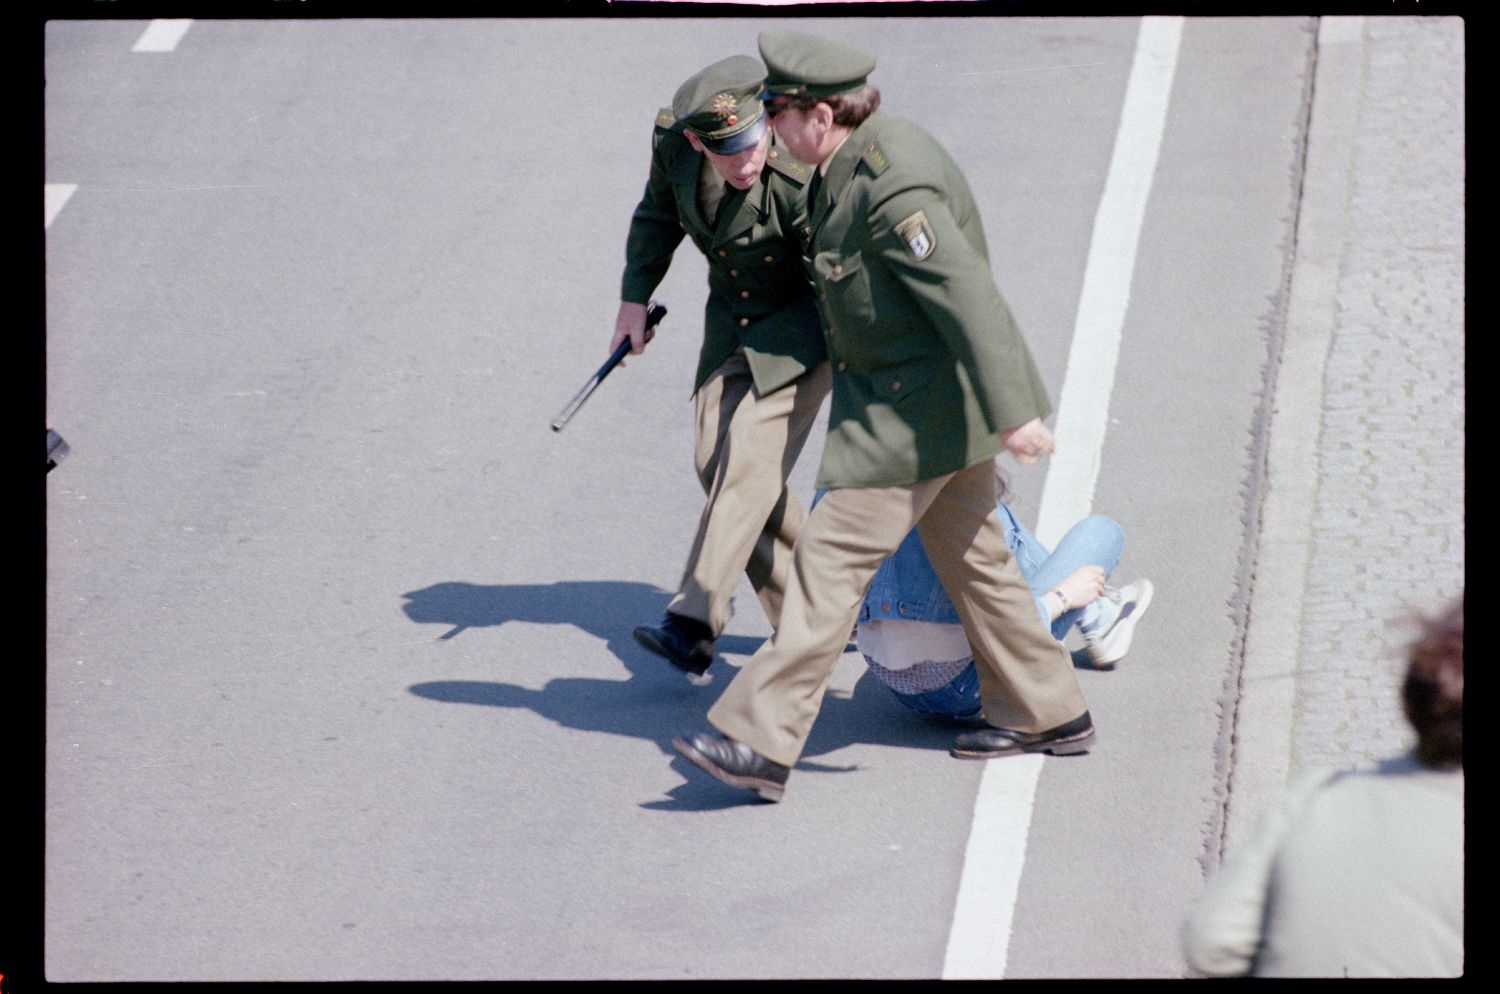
(719, 177)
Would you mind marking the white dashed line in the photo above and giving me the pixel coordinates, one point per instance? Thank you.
(162, 35)
(54, 195)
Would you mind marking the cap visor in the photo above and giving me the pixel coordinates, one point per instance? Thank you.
(737, 142)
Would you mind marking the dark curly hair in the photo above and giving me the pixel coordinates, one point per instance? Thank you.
(1433, 695)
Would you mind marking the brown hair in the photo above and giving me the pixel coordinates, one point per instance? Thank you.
(850, 109)
(1433, 694)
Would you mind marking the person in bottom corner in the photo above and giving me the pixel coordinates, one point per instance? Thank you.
(1356, 873)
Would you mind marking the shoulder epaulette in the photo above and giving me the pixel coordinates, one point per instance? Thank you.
(667, 125)
(796, 171)
(874, 157)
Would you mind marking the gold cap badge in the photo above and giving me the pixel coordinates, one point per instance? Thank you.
(727, 108)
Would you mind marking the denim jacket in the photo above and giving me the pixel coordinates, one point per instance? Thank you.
(907, 587)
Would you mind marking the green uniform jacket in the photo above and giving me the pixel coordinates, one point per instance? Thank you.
(758, 296)
(928, 365)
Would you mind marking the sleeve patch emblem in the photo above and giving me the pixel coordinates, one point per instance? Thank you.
(918, 235)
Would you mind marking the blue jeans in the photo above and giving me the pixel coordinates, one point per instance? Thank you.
(958, 698)
(1094, 541)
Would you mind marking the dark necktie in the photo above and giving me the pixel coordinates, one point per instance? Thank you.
(814, 187)
(724, 194)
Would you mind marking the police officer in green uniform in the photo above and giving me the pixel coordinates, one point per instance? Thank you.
(719, 176)
(931, 379)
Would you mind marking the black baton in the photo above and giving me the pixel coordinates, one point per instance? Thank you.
(654, 313)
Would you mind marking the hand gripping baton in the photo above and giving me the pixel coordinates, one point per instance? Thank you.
(654, 313)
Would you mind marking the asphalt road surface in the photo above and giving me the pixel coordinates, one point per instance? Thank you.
(340, 680)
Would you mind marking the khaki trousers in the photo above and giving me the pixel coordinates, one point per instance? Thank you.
(745, 446)
(1026, 678)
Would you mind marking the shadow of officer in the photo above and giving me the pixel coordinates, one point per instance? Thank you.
(599, 607)
(649, 703)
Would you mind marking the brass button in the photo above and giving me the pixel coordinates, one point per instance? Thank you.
(744, 321)
(843, 366)
(773, 153)
(744, 294)
(734, 272)
(838, 270)
(770, 258)
(895, 385)
(886, 606)
(722, 253)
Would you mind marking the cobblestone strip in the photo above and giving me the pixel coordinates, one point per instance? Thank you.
(1388, 528)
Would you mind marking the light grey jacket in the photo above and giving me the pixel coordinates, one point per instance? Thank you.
(1357, 874)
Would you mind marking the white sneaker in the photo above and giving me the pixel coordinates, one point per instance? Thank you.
(1108, 639)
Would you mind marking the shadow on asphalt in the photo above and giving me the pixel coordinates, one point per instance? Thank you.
(608, 609)
(656, 702)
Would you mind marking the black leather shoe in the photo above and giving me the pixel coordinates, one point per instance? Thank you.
(734, 763)
(992, 743)
(688, 643)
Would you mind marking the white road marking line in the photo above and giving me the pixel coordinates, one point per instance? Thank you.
(54, 195)
(979, 940)
(1083, 406)
(162, 35)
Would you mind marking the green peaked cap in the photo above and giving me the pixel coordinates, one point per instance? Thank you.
(721, 104)
(802, 65)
